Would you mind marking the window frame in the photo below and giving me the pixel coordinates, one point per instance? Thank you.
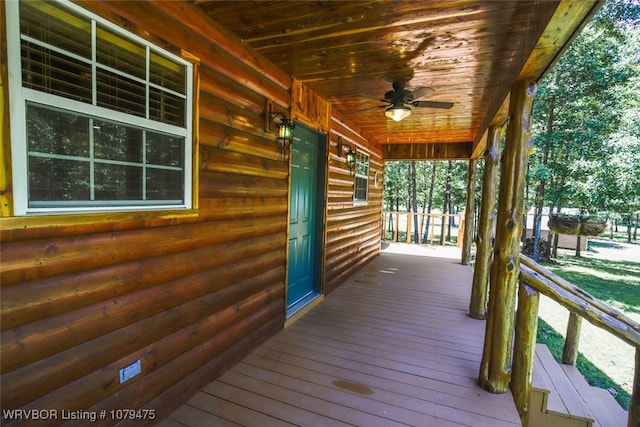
(362, 160)
(20, 97)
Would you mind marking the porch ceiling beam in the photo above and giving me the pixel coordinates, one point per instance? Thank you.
(567, 22)
(439, 151)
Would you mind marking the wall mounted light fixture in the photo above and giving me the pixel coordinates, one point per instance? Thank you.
(284, 135)
(351, 161)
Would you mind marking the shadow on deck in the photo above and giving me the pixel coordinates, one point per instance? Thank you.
(392, 346)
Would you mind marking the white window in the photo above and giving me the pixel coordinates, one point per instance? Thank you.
(361, 191)
(100, 118)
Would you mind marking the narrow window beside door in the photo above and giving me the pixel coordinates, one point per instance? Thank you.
(361, 192)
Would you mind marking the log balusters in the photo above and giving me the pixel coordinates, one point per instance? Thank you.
(572, 340)
(524, 348)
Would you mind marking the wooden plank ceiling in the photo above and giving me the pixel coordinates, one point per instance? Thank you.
(468, 52)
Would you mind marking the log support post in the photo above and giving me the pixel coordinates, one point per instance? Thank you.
(469, 214)
(524, 349)
(570, 351)
(486, 225)
(433, 227)
(495, 368)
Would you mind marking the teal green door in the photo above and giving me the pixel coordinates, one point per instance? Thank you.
(303, 216)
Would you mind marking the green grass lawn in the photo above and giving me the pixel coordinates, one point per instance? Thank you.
(608, 275)
(615, 282)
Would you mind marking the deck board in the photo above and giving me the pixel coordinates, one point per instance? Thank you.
(392, 346)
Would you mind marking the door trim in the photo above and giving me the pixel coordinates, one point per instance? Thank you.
(303, 310)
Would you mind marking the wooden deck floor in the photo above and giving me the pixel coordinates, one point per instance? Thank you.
(392, 346)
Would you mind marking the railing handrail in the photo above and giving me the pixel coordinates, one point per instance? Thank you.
(423, 213)
(421, 216)
(579, 301)
(535, 280)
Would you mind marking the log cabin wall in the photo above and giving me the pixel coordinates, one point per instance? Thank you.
(188, 293)
(353, 229)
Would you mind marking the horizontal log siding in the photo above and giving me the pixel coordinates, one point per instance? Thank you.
(353, 229)
(187, 293)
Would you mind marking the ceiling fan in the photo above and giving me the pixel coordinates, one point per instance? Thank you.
(400, 100)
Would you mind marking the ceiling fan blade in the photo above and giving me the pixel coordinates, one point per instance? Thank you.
(374, 98)
(371, 109)
(432, 104)
(422, 92)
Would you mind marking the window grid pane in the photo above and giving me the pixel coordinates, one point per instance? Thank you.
(164, 150)
(52, 180)
(119, 53)
(52, 72)
(56, 26)
(121, 94)
(118, 182)
(164, 184)
(51, 132)
(165, 107)
(113, 141)
(165, 73)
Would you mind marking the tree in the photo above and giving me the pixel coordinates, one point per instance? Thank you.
(394, 177)
(581, 105)
(414, 200)
(446, 203)
(432, 181)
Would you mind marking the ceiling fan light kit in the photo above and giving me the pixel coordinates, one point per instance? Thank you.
(400, 100)
(397, 113)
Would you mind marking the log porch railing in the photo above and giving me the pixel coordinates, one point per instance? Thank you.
(535, 279)
(404, 221)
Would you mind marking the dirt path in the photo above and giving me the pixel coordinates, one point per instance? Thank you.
(612, 355)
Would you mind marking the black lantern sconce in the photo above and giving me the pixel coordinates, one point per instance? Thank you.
(351, 161)
(284, 136)
(351, 156)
